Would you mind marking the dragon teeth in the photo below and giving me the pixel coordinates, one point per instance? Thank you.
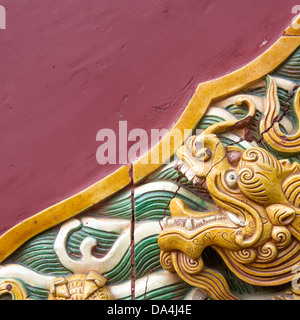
(190, 175)
(179, 222)
(233, 218)
(184, 168)
(190, 223)
(168, 222)
(199, 223)
(187, 171)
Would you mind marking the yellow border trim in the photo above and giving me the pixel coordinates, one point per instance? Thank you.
(205, 94)
(210, 91)
(62, 211)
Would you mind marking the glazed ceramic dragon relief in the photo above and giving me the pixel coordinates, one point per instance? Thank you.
(224, 224)
(256, 227)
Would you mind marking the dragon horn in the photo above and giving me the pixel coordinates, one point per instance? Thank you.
(235, 124)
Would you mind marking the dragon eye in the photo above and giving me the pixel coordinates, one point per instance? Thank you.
(231, 179)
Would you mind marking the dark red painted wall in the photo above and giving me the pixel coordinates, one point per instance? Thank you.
(69, 68)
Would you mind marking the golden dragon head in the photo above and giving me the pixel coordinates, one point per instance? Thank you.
(255, 194)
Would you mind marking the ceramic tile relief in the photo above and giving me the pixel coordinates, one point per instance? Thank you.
(219, 220)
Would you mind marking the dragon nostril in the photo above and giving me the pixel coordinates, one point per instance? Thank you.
(234, 157)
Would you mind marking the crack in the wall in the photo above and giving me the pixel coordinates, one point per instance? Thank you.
(285, 109)
(211, 168)
(277, 119)
(146, 284)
